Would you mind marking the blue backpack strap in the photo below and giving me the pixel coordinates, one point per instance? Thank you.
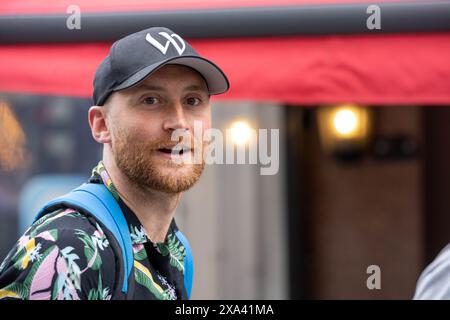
(96, 199)
(188, 263)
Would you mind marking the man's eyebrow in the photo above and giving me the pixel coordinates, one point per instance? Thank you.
(150, 87)
(195, 87)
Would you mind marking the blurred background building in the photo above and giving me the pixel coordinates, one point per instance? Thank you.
(363, 113)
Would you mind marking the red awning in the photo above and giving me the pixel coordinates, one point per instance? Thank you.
(60, 6)
(376, 69)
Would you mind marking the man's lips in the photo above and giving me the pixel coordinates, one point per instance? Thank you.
(171, 152)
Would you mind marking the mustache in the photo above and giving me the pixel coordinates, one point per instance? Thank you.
(190, 143)
(169, 141)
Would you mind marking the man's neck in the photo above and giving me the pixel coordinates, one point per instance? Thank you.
(154, 209)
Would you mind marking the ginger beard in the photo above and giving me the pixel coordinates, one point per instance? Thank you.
(140, 162)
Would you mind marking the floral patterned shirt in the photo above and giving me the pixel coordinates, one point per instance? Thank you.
(66, 255)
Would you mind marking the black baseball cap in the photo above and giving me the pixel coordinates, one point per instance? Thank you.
(134, 57)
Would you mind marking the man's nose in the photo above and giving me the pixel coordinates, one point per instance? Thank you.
(176, 118)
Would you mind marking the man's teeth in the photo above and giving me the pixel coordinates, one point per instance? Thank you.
(178, 150)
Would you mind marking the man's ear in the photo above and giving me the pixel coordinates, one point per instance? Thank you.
(98, 123)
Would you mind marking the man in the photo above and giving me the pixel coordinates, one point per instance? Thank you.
(434, 282)
(150, 86)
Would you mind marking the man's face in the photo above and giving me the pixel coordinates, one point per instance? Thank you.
(142, 120)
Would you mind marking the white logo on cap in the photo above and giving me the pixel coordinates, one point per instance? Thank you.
(170, 40)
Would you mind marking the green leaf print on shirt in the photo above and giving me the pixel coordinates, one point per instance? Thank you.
(138, 236)
(90, 251)
(48, 218)
(99, 293)
(139, 252)
(20, 290)
(175, 249)
(15, 290)
(144, 277)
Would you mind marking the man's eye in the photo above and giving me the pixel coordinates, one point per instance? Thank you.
(193, 101)
(151, 100)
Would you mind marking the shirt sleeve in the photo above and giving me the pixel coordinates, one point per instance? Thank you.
(434, 282)
(64, 256)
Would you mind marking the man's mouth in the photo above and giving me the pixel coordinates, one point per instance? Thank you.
(175, 150)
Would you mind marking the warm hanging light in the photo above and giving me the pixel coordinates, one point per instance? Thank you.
(241, 132)
(345, 122)
(344, 129)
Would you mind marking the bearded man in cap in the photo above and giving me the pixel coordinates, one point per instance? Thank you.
(115, 237)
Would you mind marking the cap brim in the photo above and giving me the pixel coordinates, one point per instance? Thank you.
(215, 79)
